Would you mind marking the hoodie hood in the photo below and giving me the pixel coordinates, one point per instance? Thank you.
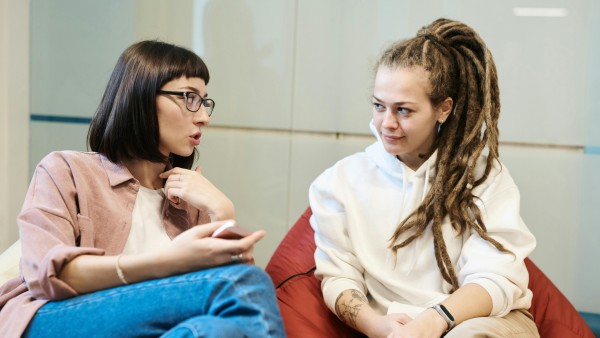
(395, 168)
(414, 186)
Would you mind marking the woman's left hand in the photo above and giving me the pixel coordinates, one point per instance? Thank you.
(425, 325)
(192, 187)
(195, 249)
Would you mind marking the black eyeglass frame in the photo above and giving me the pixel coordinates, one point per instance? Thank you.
(185, 95)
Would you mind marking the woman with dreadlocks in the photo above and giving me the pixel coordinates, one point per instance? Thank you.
(420, 235)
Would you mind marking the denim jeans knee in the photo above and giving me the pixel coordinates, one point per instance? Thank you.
(215, 302)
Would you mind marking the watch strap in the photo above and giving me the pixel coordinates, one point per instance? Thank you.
(441, 309)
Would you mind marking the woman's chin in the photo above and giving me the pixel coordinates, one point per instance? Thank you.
(392, 149)
(184, 153)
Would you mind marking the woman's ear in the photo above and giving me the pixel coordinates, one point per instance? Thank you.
(445, 109)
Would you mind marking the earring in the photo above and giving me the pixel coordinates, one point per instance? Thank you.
(440, 125)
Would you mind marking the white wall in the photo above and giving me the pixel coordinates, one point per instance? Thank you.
(14, 114)
(586, 271)
(292, 81)
(323, 52)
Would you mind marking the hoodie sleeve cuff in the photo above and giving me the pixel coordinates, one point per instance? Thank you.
(499, 302)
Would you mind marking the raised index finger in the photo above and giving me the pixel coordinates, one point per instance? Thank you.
(172, 171)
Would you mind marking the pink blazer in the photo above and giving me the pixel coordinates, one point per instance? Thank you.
(78, 203)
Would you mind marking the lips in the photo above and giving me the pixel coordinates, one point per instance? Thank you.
(195, 138)
(391, 138)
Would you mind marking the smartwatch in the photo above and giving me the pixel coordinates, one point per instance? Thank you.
(441, 309)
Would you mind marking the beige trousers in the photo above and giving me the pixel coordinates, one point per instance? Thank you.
(516, 324)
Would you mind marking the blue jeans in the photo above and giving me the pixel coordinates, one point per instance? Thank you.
(227, 301)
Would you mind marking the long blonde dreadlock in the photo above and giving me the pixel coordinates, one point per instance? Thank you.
(460, 66)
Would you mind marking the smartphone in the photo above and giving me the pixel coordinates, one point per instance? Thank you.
(230, 230)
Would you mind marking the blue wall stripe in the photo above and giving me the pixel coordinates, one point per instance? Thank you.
(60, 119)
(591, 150)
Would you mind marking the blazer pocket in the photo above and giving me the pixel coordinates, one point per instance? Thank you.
(86, 231)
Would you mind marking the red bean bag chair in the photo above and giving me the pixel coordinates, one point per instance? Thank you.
(305, 314)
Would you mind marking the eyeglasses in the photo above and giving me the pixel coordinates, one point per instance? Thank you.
(193, 101)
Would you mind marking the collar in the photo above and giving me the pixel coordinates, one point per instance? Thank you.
(117, 173)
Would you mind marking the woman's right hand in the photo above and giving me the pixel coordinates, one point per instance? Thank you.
(195, 249)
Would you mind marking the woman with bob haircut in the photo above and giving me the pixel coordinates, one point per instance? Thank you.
(420, 235)
(117, 242)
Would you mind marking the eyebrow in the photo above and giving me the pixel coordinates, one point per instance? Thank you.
(394, 103)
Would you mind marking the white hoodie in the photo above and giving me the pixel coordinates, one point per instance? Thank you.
(357, 205)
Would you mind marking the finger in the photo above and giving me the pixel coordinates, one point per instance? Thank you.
(249, 256)
(206, 230)
(401, 318)
(183, 177)
(176, 180)
(174, 199)
(167, 173)
(240, 246)
(198, 169)
(174, 184)
(255, 236)
(248, 242)
(248, 259)
(171, 171)
(235, 259)
(173, 193)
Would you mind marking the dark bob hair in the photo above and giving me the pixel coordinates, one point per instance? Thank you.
(125, 125)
